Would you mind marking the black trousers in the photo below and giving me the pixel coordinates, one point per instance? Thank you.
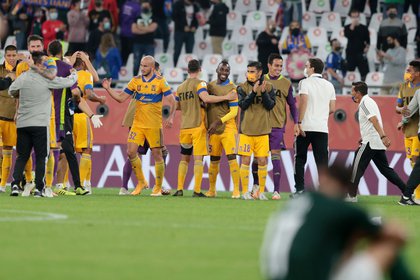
(319, 142)
(360, 61)
(36, 137)
(362, 158)
(414, 179)
(67, 147)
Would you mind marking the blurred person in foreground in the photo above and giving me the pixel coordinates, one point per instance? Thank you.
(318, 236)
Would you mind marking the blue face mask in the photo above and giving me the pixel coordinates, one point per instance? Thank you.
(107, 25)
(354, 99)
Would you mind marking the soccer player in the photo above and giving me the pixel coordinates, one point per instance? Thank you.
(222, 129)
(410, 129)
(320, 231)
(193, 135)
(284, 94)
(82, 130)
(374, 141)
(148, 89)
(256, 99)
(7, 116)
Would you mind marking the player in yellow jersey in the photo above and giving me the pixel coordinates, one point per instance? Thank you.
(410, 129)
(193, 135)
(221, 119)
(149, 90)
(82, 129)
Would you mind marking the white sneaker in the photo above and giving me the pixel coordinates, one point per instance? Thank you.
(28, 188)
(276, 196)
(2, 189)
(123, 192)
(262, 197)
(351, 199)
(247, 196)
(48, 192)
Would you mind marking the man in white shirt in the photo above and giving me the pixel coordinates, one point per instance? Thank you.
(316, 103)
(373, 143)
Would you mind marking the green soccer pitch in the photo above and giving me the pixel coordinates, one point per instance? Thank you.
(106, 236)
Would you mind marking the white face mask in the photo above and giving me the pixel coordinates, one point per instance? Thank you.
(305, 73)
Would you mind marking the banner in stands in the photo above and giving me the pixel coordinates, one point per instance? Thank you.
(108, 162)
(49, 3)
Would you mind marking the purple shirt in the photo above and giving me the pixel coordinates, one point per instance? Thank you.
(129, 13)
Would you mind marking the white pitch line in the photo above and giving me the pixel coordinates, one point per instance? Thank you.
(31, 217)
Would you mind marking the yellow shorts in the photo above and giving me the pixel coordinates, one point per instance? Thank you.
(8, 133)
(257, 145)
(196, 138)
(412, 146)
(153, 135)
(227, 140)
(53, 137)
(82, 132)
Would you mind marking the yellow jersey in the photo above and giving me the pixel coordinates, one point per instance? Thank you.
(23, 66)
(148, 95)
(84, 81)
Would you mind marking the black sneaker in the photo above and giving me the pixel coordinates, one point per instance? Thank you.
(407, 201)
(200, 194)
(296, 194)
(15, 191)
(38, 193)
(179, 193)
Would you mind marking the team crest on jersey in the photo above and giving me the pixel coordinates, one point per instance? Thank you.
(153, 87)
(139, 88)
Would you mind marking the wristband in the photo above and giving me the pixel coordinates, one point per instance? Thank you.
(91, 116)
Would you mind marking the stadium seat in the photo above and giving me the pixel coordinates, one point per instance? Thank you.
(238, 63)
(256, 20)
(323, 52)
(229, 48)
(374, 80)
(284, 34)
(124, 74)
(204, 75)
(411, 36)
(342, 7)
(245, 6)
(158, 46)
(1, 56)
(331, 21)
(362, 20)
(165, 60)
(234, 19)
(203, 47)
(319, 6)
(199, 33)
(339, 35)
(174, 75)
(411, 55)
(210, 62)
(373, 35)
(240, 77)
(317, 36)
(184, 59)
(250, 51)
(352, 76)
(269, 6)
(11, 40)
(242, 35)
(375, 21)
(229, 4)
(129, 66)
(308, 20)
(409, 21)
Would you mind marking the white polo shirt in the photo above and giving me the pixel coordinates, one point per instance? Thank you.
(368, 109)
(320, 92)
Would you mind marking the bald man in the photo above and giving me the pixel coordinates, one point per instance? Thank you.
(148, 90)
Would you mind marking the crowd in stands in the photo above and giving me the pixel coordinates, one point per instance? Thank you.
(358, 37)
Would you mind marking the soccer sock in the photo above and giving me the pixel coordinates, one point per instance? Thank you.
(56, 159)
(127, 170)
(1, 164)
(160, 172)
(136, 166)
(255, 172)
(275, 160)
(182, 173)
(66, 176)
(84, 167)
(198, 175)
(49, 174)
(244, 171)
(262, 174)
(234, 172)
(89, 173)
(5, 166)
(28, 170)
(213, 171)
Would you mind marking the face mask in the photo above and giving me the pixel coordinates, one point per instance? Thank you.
(408, 77)
(295, 31)
(392, 15)
(354, 99)
(53, 16)
(252, 77)
(338, 49)
(391, 45)
(305, 73)
(98, 5)
(107, 25)
(145, 11)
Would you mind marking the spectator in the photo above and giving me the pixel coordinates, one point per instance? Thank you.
(335, 65)
(394, 60)
(296, 39)
(18, 20)
(144, 35)
(78, 21)
(38, 20)
(53, 29)
(218, 25)
(129, 12)
(184, 16)
(391, 26)
(97, 14)
(108, 58)
(267, 43)
(292, 11)
(162, 10)
(96, 35)
(360, 6)
(108, 5)
(397, 4)
(357, 45)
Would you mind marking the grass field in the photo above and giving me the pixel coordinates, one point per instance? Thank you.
(105, 236)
